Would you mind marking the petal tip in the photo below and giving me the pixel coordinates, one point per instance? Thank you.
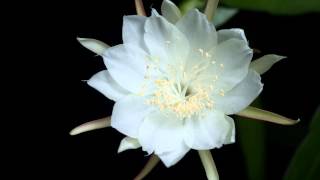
(80, 39)
(73, 132)
(279, 57)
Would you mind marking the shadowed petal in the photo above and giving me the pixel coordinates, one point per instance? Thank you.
(210, 131)
(226, 34)
(241, 95)
(163, 135)
(164, 41)
(170, 11)
(104, 83)
(198, 30)
(128, 114)
(126, 65)
(133, 30)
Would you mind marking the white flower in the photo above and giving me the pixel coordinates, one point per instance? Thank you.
(175, 81)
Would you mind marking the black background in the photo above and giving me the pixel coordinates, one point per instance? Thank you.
(291, 89)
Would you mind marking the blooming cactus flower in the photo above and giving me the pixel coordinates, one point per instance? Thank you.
(175, 84)
(176, 80)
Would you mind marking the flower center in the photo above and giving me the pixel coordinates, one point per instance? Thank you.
(183, 92)
(181, 95)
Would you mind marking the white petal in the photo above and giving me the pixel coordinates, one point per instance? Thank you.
(240, 96)
(264, 63)
(170, 11)
(223, 15)
(133, 29)
(164, 41)
(199, 31)
(154, 12)
(126, 64)
(93, 45)
(103, 82)
(128, 143)
(231, 63)
(164, 136)
(226, 34)
(210, 131)
(172, 157)
(128, 113)
(231, 134)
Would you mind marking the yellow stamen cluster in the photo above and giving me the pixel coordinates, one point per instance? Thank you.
(184, 106)
(178, 90)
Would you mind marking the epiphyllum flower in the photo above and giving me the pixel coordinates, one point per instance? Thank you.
(176, 80)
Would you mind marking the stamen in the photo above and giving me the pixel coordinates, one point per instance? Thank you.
(208, 55)
(201, 51)
(221, 92)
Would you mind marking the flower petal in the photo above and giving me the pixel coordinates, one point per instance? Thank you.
(259, 114)
(93, 45)
(128, 143)
(165, 43)
(172, 157)
(199, 31)
(163, 135)
(92, 125)
(128, 113)
(230, 64)
(210, 131)
(126, 64)
(133, 30)
(264, 63)
(240, 96)
(170, 11)
(231, 136)
(226, 34)
(104, 83)
(223, 15)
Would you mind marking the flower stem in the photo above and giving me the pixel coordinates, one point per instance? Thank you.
(208, 164)
(139, 8)
(211, 8)
(153, 161)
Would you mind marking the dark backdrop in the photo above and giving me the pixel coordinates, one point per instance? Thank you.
(291, 89)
